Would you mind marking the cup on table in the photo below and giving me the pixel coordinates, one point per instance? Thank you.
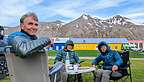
(70, 67)
(76, 67)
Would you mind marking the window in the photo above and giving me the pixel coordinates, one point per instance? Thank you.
(136, 45)
(140, 45)
(62, 47)
(57, 47)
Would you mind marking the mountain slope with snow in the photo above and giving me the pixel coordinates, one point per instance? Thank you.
(91, 27)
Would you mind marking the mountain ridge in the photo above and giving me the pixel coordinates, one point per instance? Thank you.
(86, 26)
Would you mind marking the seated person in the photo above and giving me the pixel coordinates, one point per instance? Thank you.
(112, 60)
(74, 59)
(26, 46)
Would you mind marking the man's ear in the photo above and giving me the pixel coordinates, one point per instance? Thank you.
(21, 25)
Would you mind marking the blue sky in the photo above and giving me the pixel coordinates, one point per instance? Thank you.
(68, 10)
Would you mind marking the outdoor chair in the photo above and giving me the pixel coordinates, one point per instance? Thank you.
(124, 71)
(31, 69)
(54, 72)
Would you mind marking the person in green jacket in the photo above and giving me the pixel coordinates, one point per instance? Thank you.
(73, 57)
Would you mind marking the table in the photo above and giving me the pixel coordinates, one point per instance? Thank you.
(81, 70)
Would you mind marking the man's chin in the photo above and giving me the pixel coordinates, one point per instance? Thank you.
(70, 49)
(32, 34)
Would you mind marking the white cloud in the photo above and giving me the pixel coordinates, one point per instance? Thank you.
(73, 9)
(133, 12)
(136, 14)
(101, 4)
(11, 10)
(66, 8)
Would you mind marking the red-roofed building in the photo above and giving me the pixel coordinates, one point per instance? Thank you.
(139, 43)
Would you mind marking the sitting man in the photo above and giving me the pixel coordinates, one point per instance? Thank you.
(112, 60)
(25, 43)
(73, 57)
(29, 50)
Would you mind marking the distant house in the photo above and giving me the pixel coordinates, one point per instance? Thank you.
(139, 43)
(58, 43)
(90, 43)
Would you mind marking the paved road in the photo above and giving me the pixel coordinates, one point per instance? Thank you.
(91, 58)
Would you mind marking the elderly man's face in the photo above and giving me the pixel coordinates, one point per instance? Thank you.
(29, 25)
(103, 48)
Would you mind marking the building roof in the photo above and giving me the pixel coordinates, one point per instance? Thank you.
(60, 40)
(91, 40)
(136, 41)
(97, 40)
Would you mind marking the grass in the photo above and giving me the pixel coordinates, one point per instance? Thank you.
(94, 53)
(137, 65)
(136, 54)
(81, 53)
(137, 71)
(7, 79)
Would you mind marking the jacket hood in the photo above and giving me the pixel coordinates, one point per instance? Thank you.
(102, 43)
(68, 42)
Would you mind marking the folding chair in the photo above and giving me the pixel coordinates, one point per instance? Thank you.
(33, 69)
(55, 71)
(3, 64)
(124, 69)
(3, 67)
